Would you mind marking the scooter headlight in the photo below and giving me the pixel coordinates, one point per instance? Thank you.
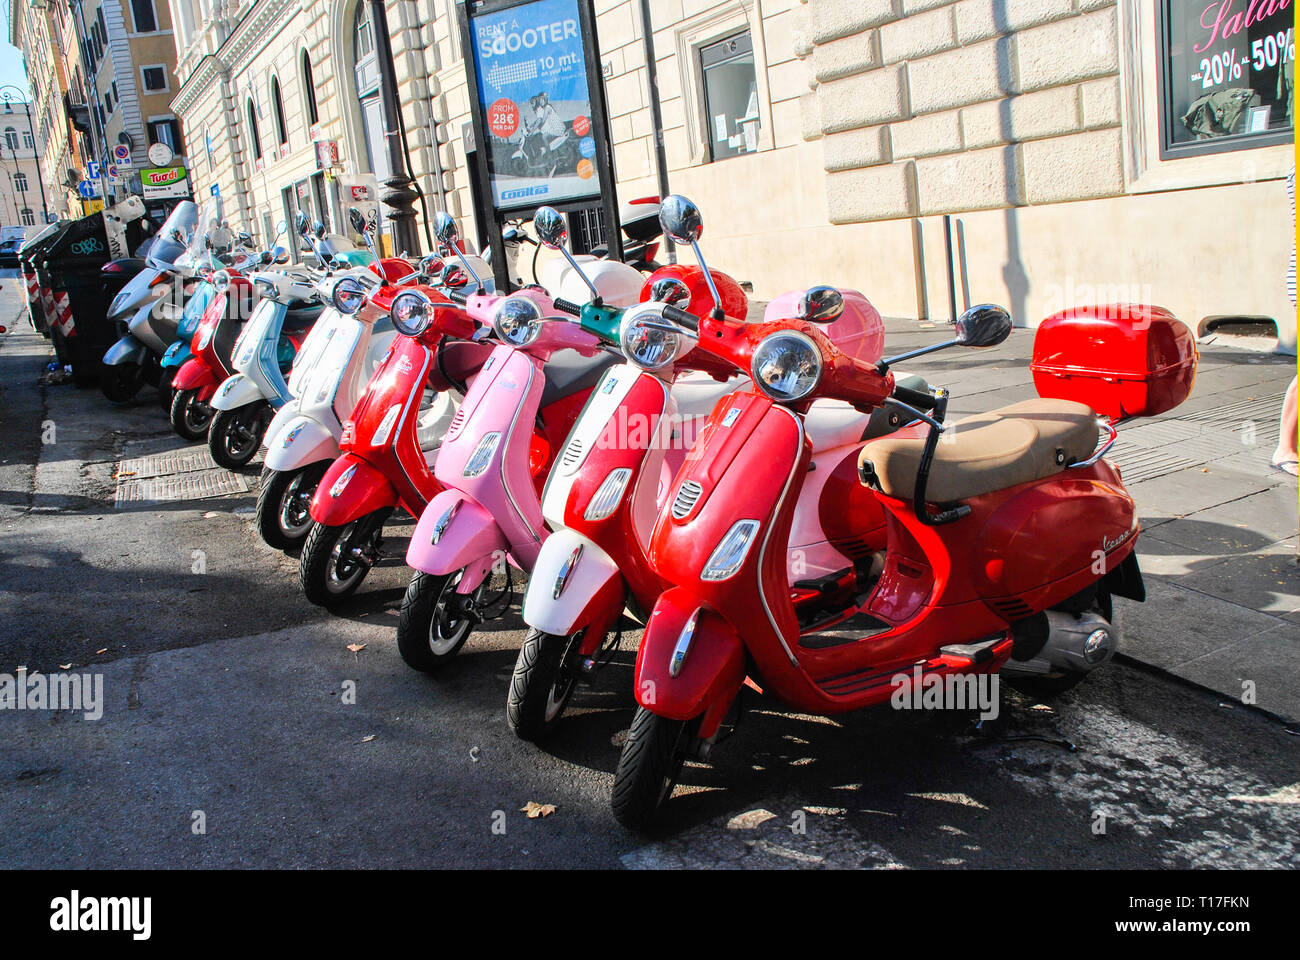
(731, 551)
(644, 343)
(517, 320)
(787, 366)
(607, 497)
(412, 312)
(348, 295)
(482, 455)
(221, 280)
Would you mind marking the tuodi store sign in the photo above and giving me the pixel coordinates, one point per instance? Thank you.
(165, 183)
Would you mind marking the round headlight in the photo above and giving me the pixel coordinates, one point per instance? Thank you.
(647, 346)
(348, 295)
(221, 280)
(517, 320)
(412, 313)
(787, 366)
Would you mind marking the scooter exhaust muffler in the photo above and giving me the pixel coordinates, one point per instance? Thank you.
(1076, 643)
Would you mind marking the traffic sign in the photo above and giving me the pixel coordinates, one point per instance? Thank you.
(122, 153)
(88, 189)
(92, 170)
(216, 190)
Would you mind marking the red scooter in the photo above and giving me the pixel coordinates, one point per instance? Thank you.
(1005, 545)
(387, 450)
(197, 379)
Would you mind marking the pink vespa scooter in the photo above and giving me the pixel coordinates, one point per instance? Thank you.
(492, 464)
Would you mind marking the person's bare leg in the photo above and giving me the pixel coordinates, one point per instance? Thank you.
(1285, 456)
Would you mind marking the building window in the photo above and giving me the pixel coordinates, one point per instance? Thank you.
(167, 131)
(309, 90)
(11, 138)
(146, 21)
(1227, 76)
(277, 109)
(155, 78)
(29, 218)
(108, 104)
(255, 140)
(28, 143)
(20, 182)
(730, 96)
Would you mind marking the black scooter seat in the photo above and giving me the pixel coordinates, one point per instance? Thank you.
(569, 372)
(301, 316)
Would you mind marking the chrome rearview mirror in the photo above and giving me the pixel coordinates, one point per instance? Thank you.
(820, 304)
(447, 231)
(358, 221)
(983, 325)
(551, 228)
(302, 223)
(553, 232)
(683, 223)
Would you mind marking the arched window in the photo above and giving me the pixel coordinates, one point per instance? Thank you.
(309, 90)
(277, 109)
(20, 182)
(252, 131)
(11, 138)
(29, 218)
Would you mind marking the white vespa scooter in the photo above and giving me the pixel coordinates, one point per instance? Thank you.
(343, 351)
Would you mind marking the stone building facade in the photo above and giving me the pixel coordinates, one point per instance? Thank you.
(1033, 123)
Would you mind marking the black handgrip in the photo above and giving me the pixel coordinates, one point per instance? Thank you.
(567, 307)
(915, 398)
(687, 319)
(458, 295)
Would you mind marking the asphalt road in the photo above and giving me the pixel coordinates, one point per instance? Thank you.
(226, 705)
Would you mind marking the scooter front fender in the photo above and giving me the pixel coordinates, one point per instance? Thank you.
(177, 354)
(194, 375)
(237, 391)
(468, 533)
(126, 350)
(301, 441)
(711, 667)
(592, 593)
(350, 489)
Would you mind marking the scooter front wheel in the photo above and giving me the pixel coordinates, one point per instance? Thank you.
(236, 435)
(190, 417)
(648, 767)
(120, 382)
(541, 685)
(335, 560)
(435, 620)
(283, 505)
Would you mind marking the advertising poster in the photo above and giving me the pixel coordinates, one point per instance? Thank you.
(532, 89)
(1231, 68)
(165, 183)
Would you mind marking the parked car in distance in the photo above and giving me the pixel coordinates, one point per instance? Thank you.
(9, 252)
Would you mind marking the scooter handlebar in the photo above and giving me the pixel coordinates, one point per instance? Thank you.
(567, 307)
(683, 317)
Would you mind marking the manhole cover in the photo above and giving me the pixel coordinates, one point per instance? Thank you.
(195, 485)
(162, 464)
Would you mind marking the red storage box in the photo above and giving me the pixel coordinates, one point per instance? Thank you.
(1122, 360)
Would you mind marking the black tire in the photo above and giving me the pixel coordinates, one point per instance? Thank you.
(236, 435)
(540, 687)
(648, 767)
(165, 389)
(325, 581)
(190, 418)
(424, 611)
(282, 516)
(120, 382)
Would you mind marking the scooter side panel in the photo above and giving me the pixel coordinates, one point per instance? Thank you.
(126, 350)
(350, 489)
(234, 392)
(301, 442)
(592, 592)
(471, 534)
(710, 674)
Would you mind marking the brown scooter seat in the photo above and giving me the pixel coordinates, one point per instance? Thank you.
(990, 451)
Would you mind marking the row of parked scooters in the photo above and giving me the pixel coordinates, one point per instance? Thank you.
(770, 499)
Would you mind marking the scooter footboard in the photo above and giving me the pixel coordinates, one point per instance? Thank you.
(237, 391)
(350, 489)
(589, 586)
(691, 661)
(454, 531)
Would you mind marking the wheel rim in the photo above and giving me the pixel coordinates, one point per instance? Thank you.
(195, 418)
(348, 562)
(558, 696)
(446, 630)
(295, 508)
(241, 439)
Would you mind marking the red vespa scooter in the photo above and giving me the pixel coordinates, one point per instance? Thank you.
(197, 379)
(1004, 547)
(383, 465)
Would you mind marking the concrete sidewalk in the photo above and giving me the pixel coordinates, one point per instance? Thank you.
(1219, 524)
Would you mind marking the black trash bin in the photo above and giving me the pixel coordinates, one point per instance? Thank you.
(74, 263)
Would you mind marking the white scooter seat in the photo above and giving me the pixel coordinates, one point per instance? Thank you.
(833, 423)
(697, 393)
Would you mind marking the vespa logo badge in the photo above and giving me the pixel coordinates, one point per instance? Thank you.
(293, 435)
(609, 386)
(732, 416)
(404, 364)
